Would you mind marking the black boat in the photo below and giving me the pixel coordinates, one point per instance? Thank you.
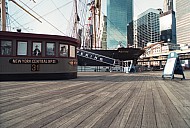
(121, 54)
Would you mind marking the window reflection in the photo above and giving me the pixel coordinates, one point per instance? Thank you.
(63, 49)
(37, 48)
(22, 48)
(72, 51)
(6, 47)
(50, 49)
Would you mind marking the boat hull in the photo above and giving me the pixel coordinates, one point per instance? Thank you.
(121, 54)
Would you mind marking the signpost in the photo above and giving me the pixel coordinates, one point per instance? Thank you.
(173, 66)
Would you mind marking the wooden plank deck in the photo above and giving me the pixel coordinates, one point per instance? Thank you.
(97, 100)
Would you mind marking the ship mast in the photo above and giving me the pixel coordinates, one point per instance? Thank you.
(93, 28)
(3, 15)
(94, 24)
(76, 20)
(95, 20)
(98, 7)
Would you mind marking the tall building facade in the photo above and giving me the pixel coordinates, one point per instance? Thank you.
(168, 27)
(119, 23)
(168, 5)
(148, 27)
(135, 34)
(183, 21)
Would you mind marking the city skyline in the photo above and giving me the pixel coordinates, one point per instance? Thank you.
(19, 18)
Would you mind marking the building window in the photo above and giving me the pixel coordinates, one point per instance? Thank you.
(63, 50)
(37, 49)
(72, 51)
(50, 49)
(6, 47)
(22, 48)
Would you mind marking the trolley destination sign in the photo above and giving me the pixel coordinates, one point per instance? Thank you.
(33, 61)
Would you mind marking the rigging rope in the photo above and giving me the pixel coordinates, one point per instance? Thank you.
(59, 11)
(50, 12)
(24, 13)
(18, 23)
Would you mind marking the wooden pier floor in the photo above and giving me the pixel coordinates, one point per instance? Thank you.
(97, 100)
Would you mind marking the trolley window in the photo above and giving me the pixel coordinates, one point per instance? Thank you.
(6, 47)
(36, 49)
(63, 50)
(72, 51)
(22, 48)
(50, 49)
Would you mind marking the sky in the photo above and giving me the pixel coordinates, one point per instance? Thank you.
(57, 13)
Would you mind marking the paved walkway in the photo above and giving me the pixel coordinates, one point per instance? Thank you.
(114, 100)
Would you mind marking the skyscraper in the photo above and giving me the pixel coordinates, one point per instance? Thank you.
(119, 23)
(168, 27)
(168, 5)
(148, 27)
(168, 23)
(183, 21)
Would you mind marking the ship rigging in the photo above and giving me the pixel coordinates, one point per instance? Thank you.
(85, 25)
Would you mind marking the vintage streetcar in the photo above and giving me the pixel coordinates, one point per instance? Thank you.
(27, 56)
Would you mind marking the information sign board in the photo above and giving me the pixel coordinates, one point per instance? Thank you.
(173, 66)
(169, 67)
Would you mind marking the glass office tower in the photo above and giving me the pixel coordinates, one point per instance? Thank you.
(148, 27)
(119, 23)
(183, 21)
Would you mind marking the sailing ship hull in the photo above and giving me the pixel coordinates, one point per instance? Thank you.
(121, 54)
